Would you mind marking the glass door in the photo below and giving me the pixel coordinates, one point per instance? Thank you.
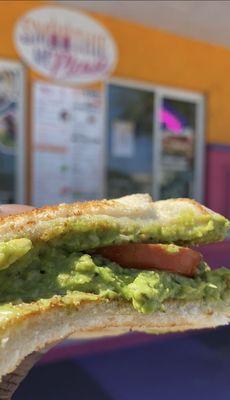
(154, 141)
(129, 141)
(178, 135)
(180, 145)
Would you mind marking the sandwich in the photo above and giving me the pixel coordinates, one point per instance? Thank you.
(107, 267)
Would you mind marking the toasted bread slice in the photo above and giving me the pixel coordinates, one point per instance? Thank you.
(38, 325)
(135, 217)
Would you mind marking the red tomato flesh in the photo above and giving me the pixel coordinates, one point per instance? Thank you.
(185, 261)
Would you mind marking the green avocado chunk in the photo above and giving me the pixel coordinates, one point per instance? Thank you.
(13, 250)
(45, 271)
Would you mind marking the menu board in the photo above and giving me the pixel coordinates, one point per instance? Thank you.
(67, 144)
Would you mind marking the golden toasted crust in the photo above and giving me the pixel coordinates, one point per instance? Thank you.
(99, 206)
(33, 330)
(138, 209)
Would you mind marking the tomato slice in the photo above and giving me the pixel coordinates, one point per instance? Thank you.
(181, 260)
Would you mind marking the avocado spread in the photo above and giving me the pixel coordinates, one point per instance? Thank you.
(89, 233)
(30, 273)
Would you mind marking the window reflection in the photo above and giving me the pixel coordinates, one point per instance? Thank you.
(177, 119)
(130, 141)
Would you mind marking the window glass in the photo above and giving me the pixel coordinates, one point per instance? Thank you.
(130, 141)
(178, 135)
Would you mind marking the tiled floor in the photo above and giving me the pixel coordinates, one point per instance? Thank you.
(188, 367)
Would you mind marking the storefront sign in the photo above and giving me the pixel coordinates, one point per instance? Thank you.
(65, 45)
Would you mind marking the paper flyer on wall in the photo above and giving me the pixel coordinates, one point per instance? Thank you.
(67, 144)
(123, 139)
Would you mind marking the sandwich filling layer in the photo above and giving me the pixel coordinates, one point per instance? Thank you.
(90, 232)
(31, 273)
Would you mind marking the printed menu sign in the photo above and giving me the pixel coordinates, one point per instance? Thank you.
(67, 144)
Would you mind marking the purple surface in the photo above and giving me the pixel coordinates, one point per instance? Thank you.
(217, 179)
(194, 366)
(216, 254)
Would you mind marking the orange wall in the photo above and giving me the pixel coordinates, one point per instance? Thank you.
(152, 56)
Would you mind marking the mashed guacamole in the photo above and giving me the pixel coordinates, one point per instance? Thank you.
(45, 270)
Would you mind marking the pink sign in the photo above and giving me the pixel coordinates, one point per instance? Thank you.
(171, 122)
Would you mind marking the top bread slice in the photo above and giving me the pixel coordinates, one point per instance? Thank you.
(136, 218)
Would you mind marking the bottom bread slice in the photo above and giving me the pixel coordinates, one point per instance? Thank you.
(32, 329)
